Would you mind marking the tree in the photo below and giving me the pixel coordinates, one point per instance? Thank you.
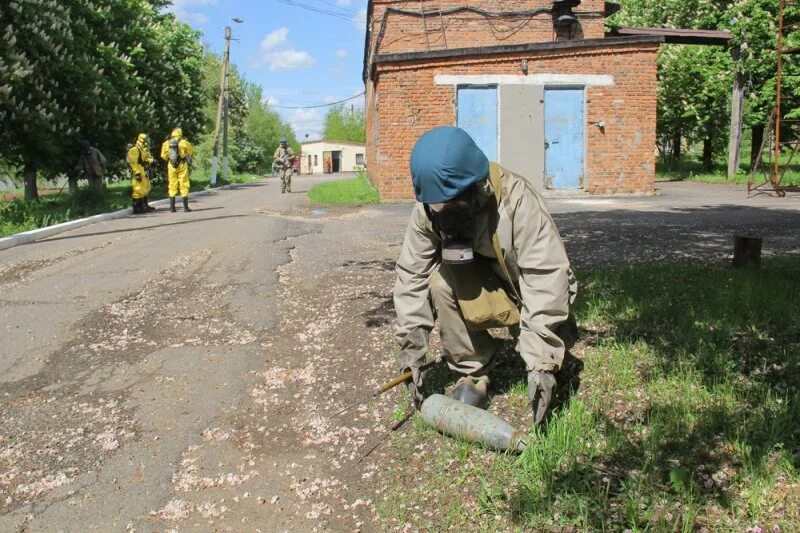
(100, 69)
(341, 125)
(753, 26)
(255, 130)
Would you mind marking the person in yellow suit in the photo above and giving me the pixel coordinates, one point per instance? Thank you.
(139, 158)
(177, 152)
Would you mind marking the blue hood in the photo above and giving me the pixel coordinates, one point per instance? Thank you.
(444, 162)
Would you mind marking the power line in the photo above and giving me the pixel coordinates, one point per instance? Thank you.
(316, 106)
(337, 12)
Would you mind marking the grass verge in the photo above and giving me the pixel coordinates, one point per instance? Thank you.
(686, 417)
(692, 170)
(354, 191)
(17, 215)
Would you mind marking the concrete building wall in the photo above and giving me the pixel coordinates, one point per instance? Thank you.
(620, 156)
(315, 153)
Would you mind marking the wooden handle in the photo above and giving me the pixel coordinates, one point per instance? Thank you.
(402, 378)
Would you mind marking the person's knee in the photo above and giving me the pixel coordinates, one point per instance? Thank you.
(439, 288)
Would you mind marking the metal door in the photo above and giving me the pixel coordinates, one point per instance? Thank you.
(477, 115)
(563, 138)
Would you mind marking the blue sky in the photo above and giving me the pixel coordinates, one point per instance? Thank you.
(300, 57)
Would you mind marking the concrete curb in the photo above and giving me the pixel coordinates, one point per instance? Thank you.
(27, 237)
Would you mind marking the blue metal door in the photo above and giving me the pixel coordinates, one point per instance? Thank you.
(477, 115)
(563, 136)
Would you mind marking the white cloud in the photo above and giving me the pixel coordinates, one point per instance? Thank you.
(279, 57)
(307, 121)
(274, 38)
(289, 59)
(360, 20)
(186, 10)
(195, 18)
(341, 52)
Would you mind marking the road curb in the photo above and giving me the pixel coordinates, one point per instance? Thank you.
(27, 237)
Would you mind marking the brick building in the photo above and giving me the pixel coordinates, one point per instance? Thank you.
(539, 85)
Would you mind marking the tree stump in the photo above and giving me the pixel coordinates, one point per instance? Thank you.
(747, 252)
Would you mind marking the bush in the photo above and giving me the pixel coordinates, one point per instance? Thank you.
(17, 216)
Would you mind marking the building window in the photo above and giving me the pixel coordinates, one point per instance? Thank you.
(316, 161)
(360, 159)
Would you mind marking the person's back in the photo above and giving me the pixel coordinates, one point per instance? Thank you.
(91, 164)
(177, 152)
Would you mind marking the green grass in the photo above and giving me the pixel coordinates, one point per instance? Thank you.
(354, 191)
(687, 416)
(692, 170)
(17, 216)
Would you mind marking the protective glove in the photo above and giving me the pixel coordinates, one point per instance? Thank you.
(414, 356)
(541, 388)
(415, 386)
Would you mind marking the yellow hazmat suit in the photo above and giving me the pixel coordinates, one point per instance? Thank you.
(139, 157)
(178, 175)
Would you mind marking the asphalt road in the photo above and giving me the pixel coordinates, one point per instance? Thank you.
(122, 343)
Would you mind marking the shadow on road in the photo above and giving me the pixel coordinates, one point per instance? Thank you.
(142, 228)
(623, 236)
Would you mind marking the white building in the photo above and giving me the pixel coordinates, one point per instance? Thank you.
(324, 157)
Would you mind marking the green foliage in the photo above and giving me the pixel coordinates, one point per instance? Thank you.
(107, 70)
(686, 108)
(345, 125)
(254, 130)
(695, 81)
(356, 191)
(103, 69)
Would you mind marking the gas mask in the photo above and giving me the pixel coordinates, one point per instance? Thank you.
(455, 220)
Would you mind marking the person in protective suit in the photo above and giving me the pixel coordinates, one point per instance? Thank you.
(481, 251)
(177, 152)
(284, 157)
(139, 159)
(91, 165)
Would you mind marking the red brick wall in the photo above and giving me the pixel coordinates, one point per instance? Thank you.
(371, 125)
(406, 33)
(406, 103)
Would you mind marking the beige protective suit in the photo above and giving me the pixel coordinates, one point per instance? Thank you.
(537, 263)
(284, 157)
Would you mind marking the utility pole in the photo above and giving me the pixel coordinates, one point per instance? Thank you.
(225, 106)
(222, 108)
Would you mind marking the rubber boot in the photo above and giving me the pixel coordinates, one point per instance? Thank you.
(137, 207)
(472, 391)
(541, 388)
(186, 203)
(147, 205)
(172, 204)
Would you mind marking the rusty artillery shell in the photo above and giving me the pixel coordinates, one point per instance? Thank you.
(458, 419)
